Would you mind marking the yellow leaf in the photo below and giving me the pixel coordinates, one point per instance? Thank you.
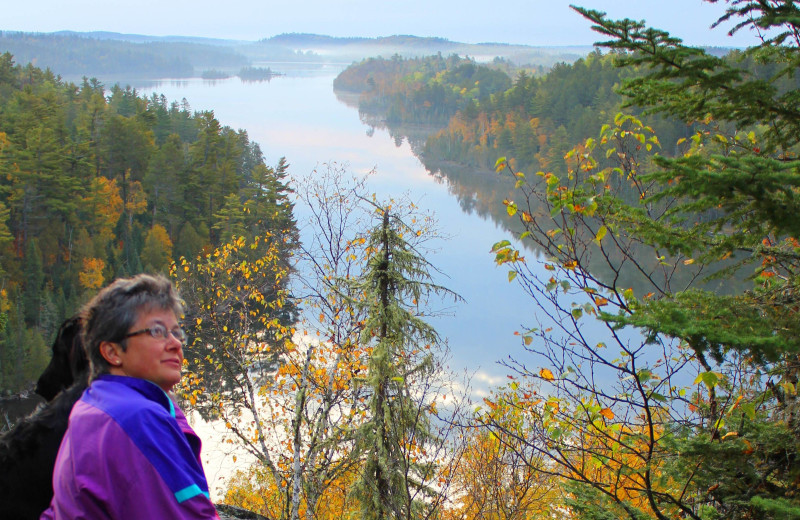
(546, 374)
(607, 413)
(601, 232)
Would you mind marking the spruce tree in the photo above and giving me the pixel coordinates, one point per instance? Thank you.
(736, 192)
(392, 440)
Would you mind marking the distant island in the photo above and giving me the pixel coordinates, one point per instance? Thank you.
(245, 74)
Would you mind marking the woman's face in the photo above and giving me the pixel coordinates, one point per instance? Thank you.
(158, 360)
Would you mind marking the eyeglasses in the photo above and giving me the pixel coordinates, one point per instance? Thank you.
(159, 331)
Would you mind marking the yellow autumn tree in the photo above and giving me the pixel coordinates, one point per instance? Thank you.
(287, 398)
(156, 254)
(501, 476)
(102, 207)
(91, 276)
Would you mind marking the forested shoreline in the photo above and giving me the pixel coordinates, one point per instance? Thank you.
(98, 184)
(533, 120)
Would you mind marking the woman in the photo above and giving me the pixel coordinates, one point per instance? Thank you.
(129, 452)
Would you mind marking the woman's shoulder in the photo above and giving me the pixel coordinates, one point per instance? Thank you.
(128, 397)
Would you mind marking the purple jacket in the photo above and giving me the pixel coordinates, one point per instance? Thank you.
(128, 454)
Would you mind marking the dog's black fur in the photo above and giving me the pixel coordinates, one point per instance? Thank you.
(28, 451)
(68, 363)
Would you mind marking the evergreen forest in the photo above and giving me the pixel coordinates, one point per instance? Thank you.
(99, 184)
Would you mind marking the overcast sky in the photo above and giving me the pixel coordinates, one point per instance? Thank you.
(531, 22)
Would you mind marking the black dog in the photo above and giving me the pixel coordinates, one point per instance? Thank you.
(28, 452)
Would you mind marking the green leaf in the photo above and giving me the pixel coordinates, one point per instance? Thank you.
(500, 245)
(644, 375)
(710, 379)
(512, 275)
(749, 409)
(658, 397)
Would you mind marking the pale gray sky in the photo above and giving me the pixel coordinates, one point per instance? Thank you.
(532, 22)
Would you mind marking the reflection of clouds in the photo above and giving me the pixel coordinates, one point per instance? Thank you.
(478, 385)
(218, 454)
(488, 379)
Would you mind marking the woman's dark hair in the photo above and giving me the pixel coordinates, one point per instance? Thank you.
(110, 315)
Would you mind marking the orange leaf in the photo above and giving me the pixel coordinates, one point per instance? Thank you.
(546, 374)
(749, 449)
(607, 413)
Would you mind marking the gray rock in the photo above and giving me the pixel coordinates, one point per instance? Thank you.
(228, 512)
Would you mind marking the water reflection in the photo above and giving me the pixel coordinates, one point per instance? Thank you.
(299, 116)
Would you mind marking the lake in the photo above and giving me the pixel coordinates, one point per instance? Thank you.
(299, 117)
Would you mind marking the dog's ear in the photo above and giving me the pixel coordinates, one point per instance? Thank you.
(68, 361)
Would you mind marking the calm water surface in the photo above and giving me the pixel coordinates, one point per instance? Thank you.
(299, 117)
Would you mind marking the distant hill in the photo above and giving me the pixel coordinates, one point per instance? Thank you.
(114, 55)
(143, 38)
(301, 39)
(105, 55)
(407, 46)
